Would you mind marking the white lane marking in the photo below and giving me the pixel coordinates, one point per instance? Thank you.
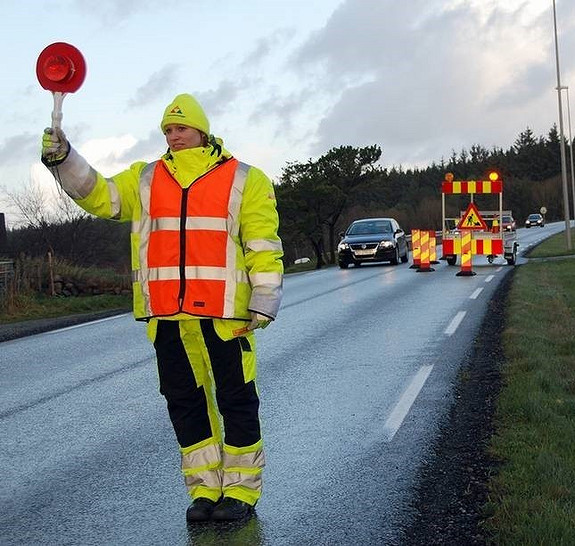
(395, 420)
(489, 278)
(450, 330)
(476, 294)
(86, 323)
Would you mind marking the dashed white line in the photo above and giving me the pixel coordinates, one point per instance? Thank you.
(475, 294)
(489, 278)
(404, 404)
(453, 325)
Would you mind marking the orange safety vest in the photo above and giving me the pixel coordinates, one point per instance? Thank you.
(190, 251)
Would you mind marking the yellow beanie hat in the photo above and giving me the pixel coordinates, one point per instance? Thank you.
(186, 110)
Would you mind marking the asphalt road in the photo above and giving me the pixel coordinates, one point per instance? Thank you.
(355, 378)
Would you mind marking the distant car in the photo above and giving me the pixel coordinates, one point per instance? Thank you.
(534, 220)
(372, 240)
(508, 223)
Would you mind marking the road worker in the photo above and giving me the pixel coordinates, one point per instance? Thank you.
(495, 224)
(207, 272)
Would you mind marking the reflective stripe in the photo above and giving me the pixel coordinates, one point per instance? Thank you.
(213, 224)
(192, 272)
(264, 244)
(202, 466)
(164, 273)
(250, 459)
(233, 229)
(243, 469)
(76, 176)
(266, 293)
(168, 223)
(115, 202)
(234, 479)
(266, 279)
(144, 227)
(207, 478)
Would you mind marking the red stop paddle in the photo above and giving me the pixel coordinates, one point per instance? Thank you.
(61, 69)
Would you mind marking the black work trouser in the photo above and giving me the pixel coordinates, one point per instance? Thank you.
(237, 401)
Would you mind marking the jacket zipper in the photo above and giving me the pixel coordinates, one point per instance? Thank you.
(183, 218)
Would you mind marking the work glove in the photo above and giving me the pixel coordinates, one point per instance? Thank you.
(55, 146)
(258, 321)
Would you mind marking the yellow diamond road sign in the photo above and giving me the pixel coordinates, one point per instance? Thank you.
(472, 219)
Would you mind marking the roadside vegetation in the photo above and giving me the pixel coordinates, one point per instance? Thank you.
(532, 493)
(42, 288)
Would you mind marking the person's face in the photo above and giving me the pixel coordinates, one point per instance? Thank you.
(182, 137)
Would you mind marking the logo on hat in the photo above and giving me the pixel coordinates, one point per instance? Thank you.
(176, 110)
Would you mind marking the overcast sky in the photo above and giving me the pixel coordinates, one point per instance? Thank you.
(285, 80)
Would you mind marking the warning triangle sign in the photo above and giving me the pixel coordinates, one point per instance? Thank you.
(472, 219)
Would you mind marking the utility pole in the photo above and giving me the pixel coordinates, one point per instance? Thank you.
(571, 151)
(562, 138)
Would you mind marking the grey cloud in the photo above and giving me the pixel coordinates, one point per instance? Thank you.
(411, 77)
(113, 12)
(285, 109)
(265, 47)
(219, 100)
(155, 87)
(14, 148)
(151, 147)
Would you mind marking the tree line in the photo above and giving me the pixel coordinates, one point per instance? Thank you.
(318, 199)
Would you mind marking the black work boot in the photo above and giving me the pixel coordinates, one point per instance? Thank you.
(232, 509)
(200, 510)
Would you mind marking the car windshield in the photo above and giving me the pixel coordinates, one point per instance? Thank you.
(368, 228)
(534, 217)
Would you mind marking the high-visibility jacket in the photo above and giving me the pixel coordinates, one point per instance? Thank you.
(209, 249)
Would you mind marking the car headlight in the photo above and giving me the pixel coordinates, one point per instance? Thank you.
(386, 244)
(343, 246)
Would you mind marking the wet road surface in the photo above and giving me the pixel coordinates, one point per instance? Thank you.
(355, 377)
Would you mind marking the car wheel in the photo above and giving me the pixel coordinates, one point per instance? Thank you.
(405, 257)
(395, 259)
(343, 265)
(513, 259)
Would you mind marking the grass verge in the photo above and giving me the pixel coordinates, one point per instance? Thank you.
(532, 496)
(35, 306)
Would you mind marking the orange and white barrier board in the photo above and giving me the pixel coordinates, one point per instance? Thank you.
(415, 247)
(423, 249)
(480, 247)
(425, 256)
(466, 255)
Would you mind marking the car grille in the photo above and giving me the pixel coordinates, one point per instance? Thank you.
(363, 246)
